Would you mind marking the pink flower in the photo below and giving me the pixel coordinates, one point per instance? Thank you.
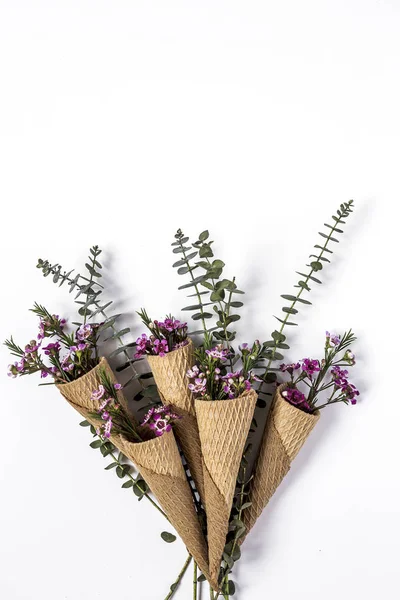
(97, 394)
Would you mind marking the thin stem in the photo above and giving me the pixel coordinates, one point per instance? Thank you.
(212, 597)
(149, 498)
(194, 580)
(177, 581)
(196, 288)
(301, 290)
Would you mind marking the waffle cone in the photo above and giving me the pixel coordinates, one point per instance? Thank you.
(286, 431)
(169, 373)
(158, 461)
(223, 427)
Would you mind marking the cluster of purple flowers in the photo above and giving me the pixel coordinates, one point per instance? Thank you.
(160, 419)
(315, 374)
(211, 380)
(150, 345)
(31, 361)
(167, 335)
(104, 430)
(309, 366)
(296, 398)
(341, 382)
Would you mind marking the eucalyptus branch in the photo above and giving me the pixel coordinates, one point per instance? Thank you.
(184, 266)
(278, 338)
(109, 322)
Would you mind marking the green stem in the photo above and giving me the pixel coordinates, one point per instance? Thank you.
(177, 581)
(212, 597)
(194, 580)
(149, 498)
(285, 320)
(196, 288)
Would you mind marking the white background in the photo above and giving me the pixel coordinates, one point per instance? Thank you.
(122, 121)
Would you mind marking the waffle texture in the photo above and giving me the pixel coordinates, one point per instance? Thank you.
(169, 373)
(159, 463)
(285, 433)
(223, 427)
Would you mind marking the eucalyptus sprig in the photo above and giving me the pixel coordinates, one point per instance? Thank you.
(278, 339)
(185, 266)
(92, 289)
(221, 290)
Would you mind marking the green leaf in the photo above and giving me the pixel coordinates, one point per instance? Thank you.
(193, 307)
(246, 505)
(236, 304)
(168, 537)
(203, 236)
(289, 297)
(278, 336)
(96, 444)
(290, 311)
(84, 424)
(285, 322)
(231, 588)
(206, 251)
(303, 285)
(316, 265)
(201, 578)
(127, 484)
(111, 466)
(204, 315)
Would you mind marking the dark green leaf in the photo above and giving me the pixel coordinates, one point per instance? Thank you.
(128, 484)
(84, 424)
(168, 537)
(96, 444)
(204, 235)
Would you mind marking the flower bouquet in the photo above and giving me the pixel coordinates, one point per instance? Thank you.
(192, 452)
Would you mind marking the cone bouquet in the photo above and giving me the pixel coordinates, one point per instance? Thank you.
(223, 427)
(207, 395)
(169, 373)
(157, 459)
(286, 431)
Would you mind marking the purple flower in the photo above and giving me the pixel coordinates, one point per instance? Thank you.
(107, 428)
(117, 386)
(43, 374)
(193, 372)
(332, 340)
(310, 366)
(103, 405)
(351, 393)
(52, 349)
(180, 344)
(289, 368)
(199, 386)
(159, 419)
(160, 347)
(97, 394)
(296, 398)
(32, 347)
(339, 377)
(105, 415)
(79, 348)
(84, 332)
(218, 353)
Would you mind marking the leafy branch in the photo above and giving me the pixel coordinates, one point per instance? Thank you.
(92, 307)
(278, 341)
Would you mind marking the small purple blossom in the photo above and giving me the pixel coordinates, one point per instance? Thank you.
(310, 366)
(218, 353)
(98, 394)
(107, 429)
(296, 398)
(52, 348)
(84, 332)
(117, 386)
(160, 419)
(290, 368)
(332, 340)
(32, 347)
